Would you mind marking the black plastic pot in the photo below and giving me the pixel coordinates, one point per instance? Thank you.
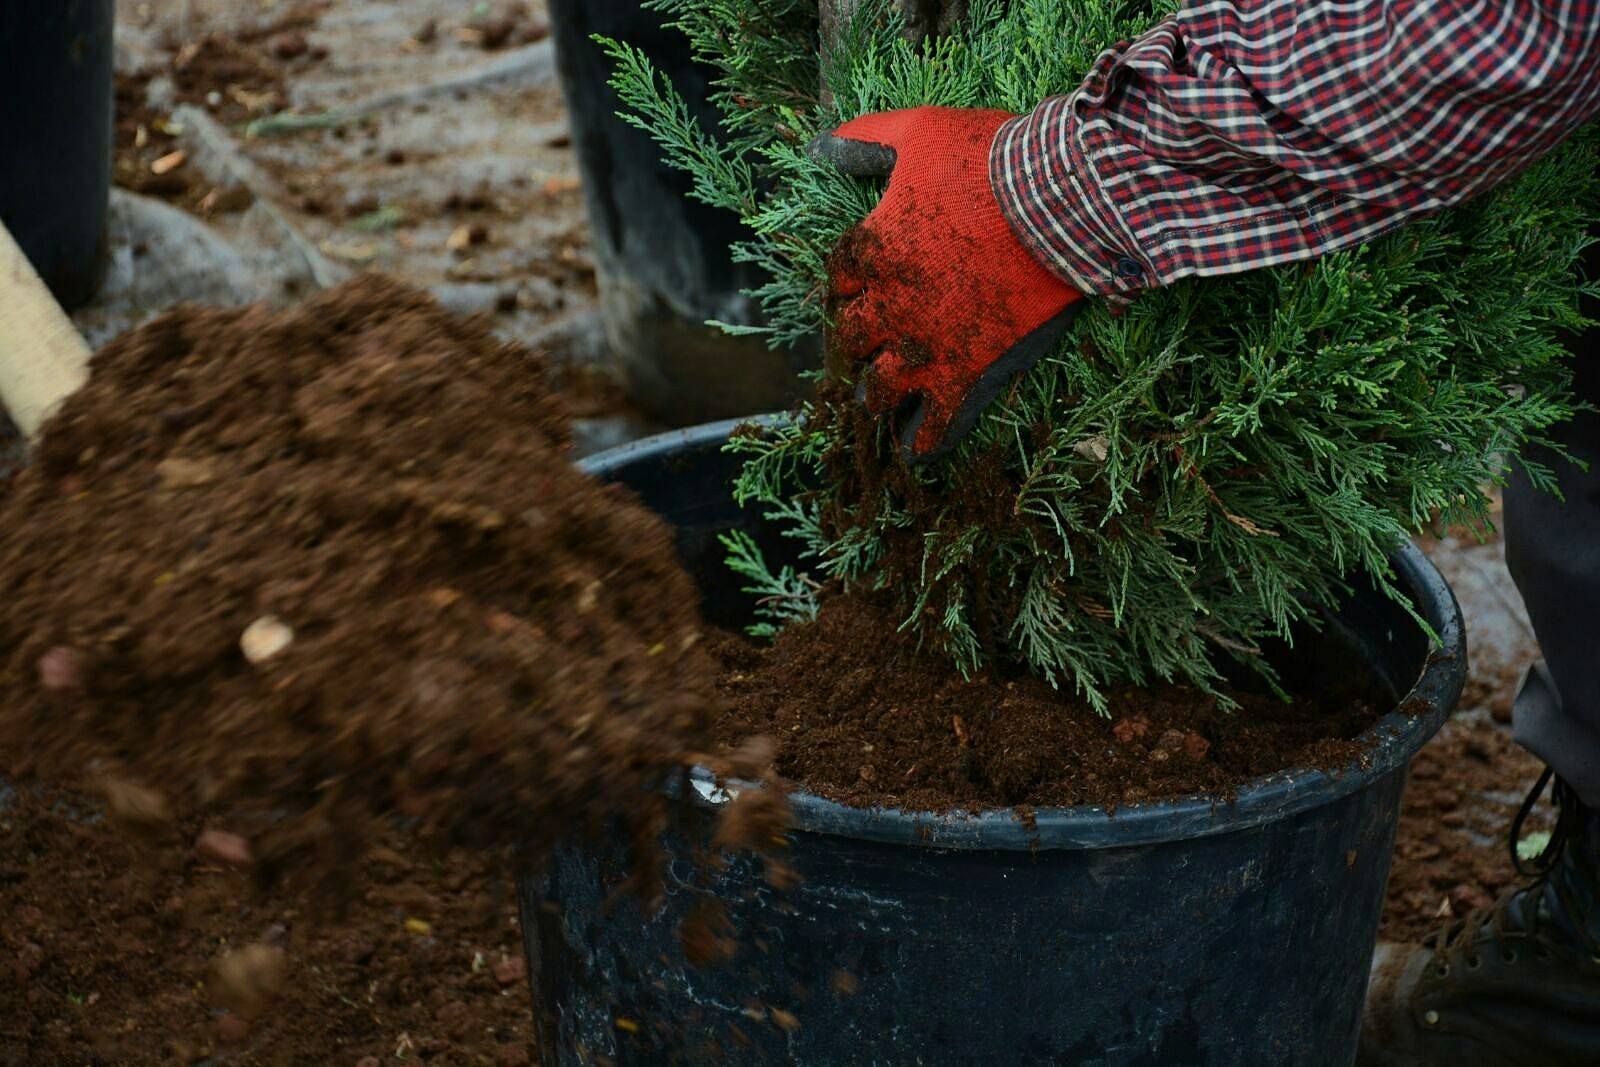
(663, 261)
(1192, 932)
(57, 104)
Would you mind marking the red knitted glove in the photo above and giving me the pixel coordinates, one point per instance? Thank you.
(933, 287)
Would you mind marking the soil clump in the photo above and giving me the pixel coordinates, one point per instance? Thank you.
(305, 570)
(863, 717)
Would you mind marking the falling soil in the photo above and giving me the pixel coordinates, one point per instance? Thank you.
(307, 569)
(109, 954)
(863, 717)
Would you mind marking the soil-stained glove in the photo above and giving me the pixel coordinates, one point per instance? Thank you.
(934, 288)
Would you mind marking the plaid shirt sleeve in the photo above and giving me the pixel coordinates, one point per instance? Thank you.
(1244, 133)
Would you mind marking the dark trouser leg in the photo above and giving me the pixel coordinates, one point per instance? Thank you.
(1553, 551)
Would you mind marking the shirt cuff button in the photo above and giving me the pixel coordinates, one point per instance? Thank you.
(1128, 267)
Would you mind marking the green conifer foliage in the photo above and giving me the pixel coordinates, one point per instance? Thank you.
(1175, 485)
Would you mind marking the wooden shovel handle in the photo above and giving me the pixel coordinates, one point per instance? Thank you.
(43, 359)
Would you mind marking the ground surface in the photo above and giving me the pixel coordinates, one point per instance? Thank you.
(301, 141)
(108, 948)
(1466, 785)
(107, 945)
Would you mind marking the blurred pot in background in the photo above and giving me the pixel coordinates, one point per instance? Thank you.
(663, 261)
(57, 106)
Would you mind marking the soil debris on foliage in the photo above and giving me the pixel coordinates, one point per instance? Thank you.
(305, 570)
(863, 717)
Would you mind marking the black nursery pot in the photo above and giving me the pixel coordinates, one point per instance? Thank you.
(55, 169)
(663, 259)
(1192, 932)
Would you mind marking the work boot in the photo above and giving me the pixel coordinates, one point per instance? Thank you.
(1516, 984)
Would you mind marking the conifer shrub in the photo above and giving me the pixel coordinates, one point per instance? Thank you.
(1175, 485)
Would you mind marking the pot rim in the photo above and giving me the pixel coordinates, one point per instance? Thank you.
(1391, 742)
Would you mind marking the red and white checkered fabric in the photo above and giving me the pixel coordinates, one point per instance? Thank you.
(1243, 133)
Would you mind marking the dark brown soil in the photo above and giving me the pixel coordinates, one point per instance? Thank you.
(107, 945)
(476, 635)
(862, 717)
(109, 956)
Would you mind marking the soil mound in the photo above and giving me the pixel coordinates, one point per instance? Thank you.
(863, 717)
(315, 567)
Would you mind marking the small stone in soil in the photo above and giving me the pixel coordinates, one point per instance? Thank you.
(61, 669)
(1131, 729)
(248, 979)
(135, 806)
(220, 846)
(265, 639)
(511, 970)
(1185, 744)
(178, 472)
(388, 857)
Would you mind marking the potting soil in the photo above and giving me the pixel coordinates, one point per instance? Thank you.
(310, 569)
(109, 954)
(863, 717)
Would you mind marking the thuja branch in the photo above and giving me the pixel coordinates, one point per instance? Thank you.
(1174, 486)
